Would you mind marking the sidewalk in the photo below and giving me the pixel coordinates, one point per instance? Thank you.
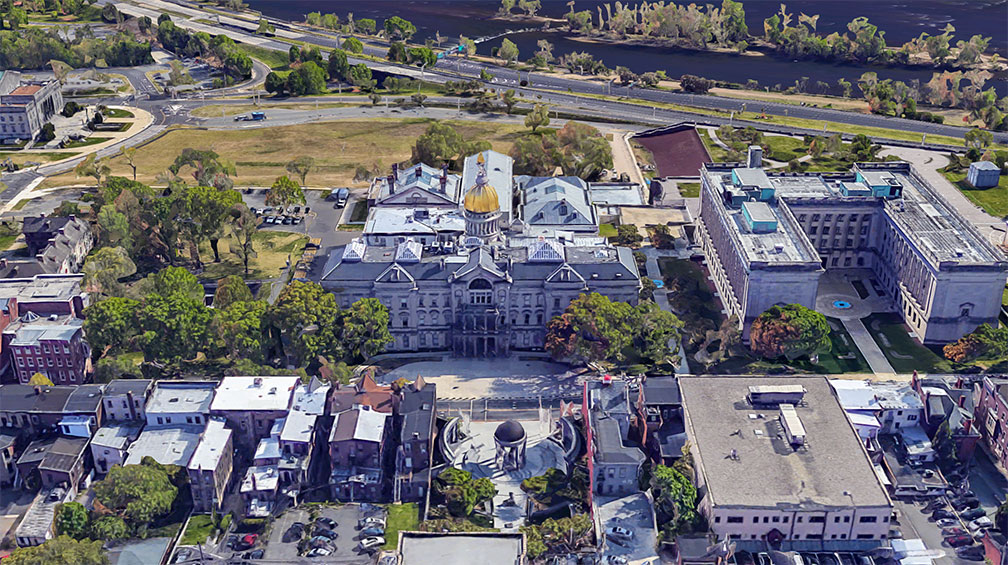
(866, 343)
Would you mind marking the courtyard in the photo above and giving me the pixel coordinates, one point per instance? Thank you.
(503, 378)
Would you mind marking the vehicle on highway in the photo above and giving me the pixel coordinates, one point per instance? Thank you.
(947, 522)
(241, 118)
(258, 116)
(973, 514)
(960, 540)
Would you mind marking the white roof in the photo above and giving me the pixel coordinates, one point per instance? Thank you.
(255, 393)
(266, 478)
(167, 445)
(115, 435)
(370, 424)
(211, 446)
(863, 420)
(298, 427)
(854, 395)
(268, 448)
(278, 425)
(311, 398)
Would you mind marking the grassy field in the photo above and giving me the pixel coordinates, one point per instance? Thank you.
(359, 213)
(717, 153)
(689, 189)
(9, 233)
(338, 147)
(273, 248)
(217, 110)
(91, 140)
(607, 230)
(199, 528)
(21, 157)
(903, 352)
(275, 60)
(118, 113)
(993, 200)
(401, 517)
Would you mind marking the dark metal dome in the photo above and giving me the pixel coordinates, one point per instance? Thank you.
(509, 432)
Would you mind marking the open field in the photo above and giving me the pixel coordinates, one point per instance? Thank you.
(401, 517)
(198, 529)
(272, 59)
(993, 200)
(273, 248)
(338, 147)
(21, 157)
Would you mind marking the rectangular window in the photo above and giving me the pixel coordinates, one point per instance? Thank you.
(868, 519)
(734, 519)
(866, 536)
(825, 230)
(817, 519)
(776, 519)
(814, 230)
(755, 519)
(717, 519)
(786, 518)
(815, 217)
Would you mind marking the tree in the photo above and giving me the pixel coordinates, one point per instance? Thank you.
(72, 520)
(421, 56)
(579, 149)
(986, 342)
(265, 28)
(461, 493)
(311, 320)
(397, 52)
(397, 28)
(204, 210)
(626, 76)
(675, 498)
(301, 166)
(1001, 518)
(468, 46)
(107, 369)
(276, 83)
(238, 65)
(63, 549)
(186, 320)
(129, 155)
(38, 379)
(110, 324)
(309, 78)
(592, 328)
(657, 332)
(105, 268)
(977, 138)
(360, 76)
(241, 329)
(176, 281)
(538, 117)
(366, 26)
(338, 65)
(294, 54)
(244, 226)
(695, 84)
(137, 493)
(365, 328)
(353, 45)
(628, 235)
(231, 289)
(862, 148)
(789, 331)
(208, 169)
(109, 528)
(418, 98)
(509, 100)
(91, 168)
(945, 448)
(284, 192)
(508, 51)
(442, 144)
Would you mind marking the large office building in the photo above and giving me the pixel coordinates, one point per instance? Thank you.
(778, 462)
(473, 289)
(26, 106)
(770, 236)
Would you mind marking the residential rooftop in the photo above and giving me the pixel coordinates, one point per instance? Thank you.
(138, 387)
(167, 445)
(38, 520)
(42, 288)
(311, 398)
(259, 478)
(255, 393)
(739, 443)
(31, 399)
(358, 424)
(298, 427)
(116, 435)
(38, 329)
(211, 446)
(181, 397)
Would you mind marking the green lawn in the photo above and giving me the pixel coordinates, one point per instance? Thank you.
(401, 517)
(276, 60)
(359, 213)
(92, 140)
(717, 153)
(117, 113)
(835, 361)
(904, 353)
(689, 189)
(993, 200)
(607, 230)
(273, 248)
(199, 529)
(1004, 297)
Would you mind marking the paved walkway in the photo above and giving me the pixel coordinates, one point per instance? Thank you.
(866, 343)
(834, 287)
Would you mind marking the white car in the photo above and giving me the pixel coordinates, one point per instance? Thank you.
(981, 523)
(947, 523)
(318, 552)
(620, 532)
(368, 544)
(371, 522)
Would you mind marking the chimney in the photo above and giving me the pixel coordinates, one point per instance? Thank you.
(967, 425)
(418, 171)
(962, 400)
(391, 184)
(444, 183)
(395, 170)
(755, 157)
(129, 401)
(959, 382)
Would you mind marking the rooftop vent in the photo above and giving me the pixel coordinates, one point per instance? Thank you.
(792, 424)
(776, 394)
(257, 381)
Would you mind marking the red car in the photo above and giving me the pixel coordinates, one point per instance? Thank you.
(959, 541)
(246, 542)
(949, 532)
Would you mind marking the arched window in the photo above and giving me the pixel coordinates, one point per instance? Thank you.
(480, 292)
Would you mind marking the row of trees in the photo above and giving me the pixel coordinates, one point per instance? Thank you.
(310, 73)
(395, 27)
(986, 343)
(37, 47)
(595, 328)
(238, 328)
(220, 50)
(950, 89)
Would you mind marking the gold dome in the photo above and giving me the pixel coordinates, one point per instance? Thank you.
(482, 199)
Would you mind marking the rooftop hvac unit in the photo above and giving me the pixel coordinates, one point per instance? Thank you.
(776, 394)
(792, 424)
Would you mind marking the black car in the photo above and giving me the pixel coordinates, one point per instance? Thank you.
(323, 531)
(255, 554)
(973, 514)
(941, 514)
(965, 502)
(327, 522)
(935, 505)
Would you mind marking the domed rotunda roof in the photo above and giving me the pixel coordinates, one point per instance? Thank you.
(482, 198)
(509, 432)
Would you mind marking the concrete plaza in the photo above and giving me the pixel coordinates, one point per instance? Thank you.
(501, 378)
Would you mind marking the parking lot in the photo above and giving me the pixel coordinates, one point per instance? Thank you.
(283, 541)
(631, 513)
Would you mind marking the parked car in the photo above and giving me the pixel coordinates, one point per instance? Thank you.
(935, 505)
(323, 531)
(895, 533)
(294, 532)
(621, 532)
(246, 542)
(965, 503)
(981, 523)
(340, 195)
(371, 522)
(953, 531)
(287, 220)
(960, 540)
(971, 553)
(320, 541)
(297, 209)
(319, 552)
(947, 522)
(255, 554)
(617, 560)
(296, 220)
(973, 514)
(369, 544)
(327, 522)
(941, 514)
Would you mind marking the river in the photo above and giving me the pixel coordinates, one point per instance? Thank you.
(901, 20)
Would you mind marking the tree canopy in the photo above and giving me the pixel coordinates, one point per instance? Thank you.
(442, 144)
(789, 331)
(284, 192)
(62, 549)
(139, 494)
(578, 149)
(675, 498)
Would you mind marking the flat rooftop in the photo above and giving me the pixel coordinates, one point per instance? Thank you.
(168, 446)
(42, 288)
(181, 397)
(211, 446)
(116, 436)
(422, 221)
(255, 393)
(417, 548)
(830, 469)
